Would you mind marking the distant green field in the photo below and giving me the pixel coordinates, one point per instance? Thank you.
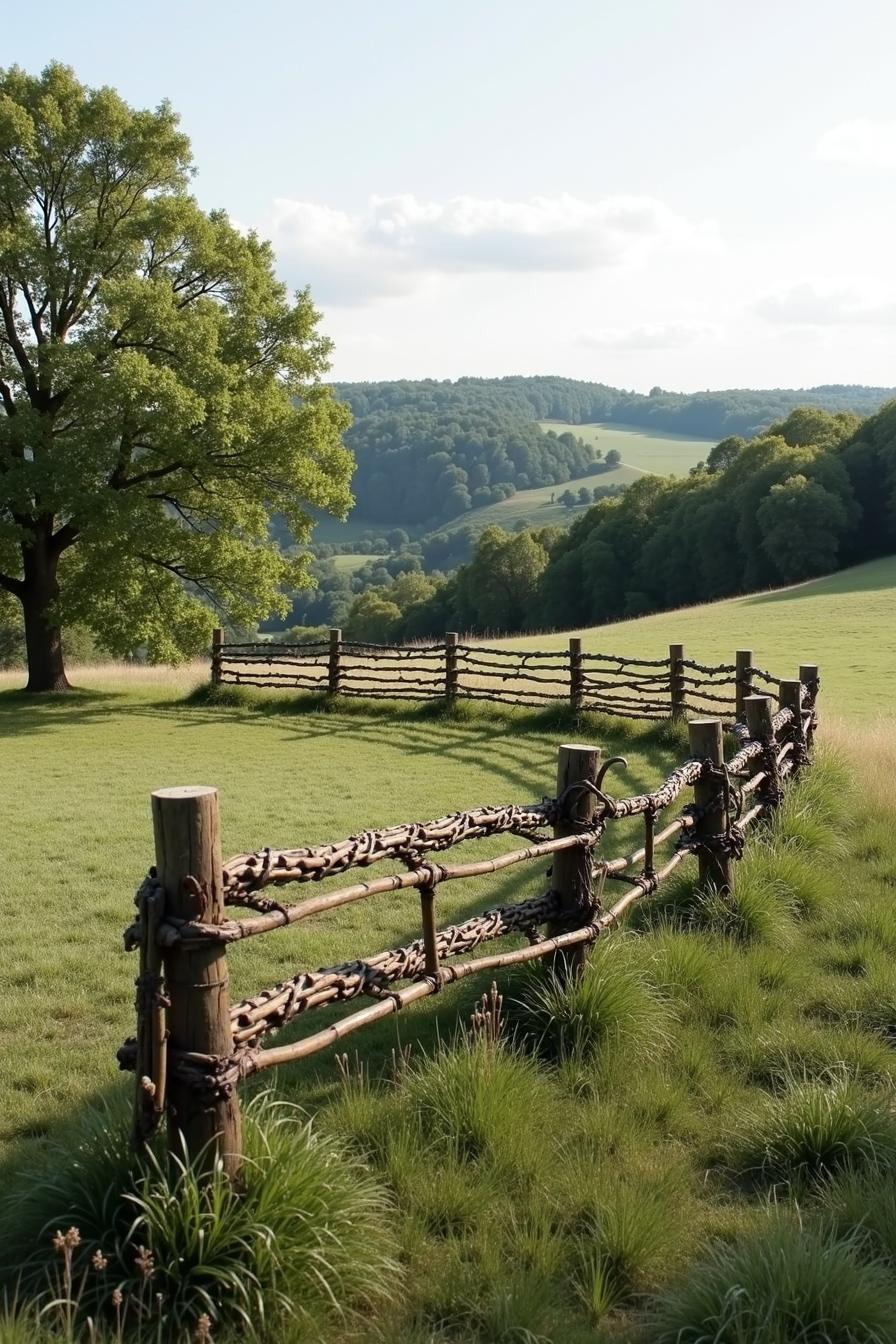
(348, 564)
(845, 623)
(643, 449)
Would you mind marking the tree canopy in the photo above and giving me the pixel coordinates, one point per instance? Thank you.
(161, 393)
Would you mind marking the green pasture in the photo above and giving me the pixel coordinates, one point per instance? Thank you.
(350, 564)
(649, 450)
(844, 622)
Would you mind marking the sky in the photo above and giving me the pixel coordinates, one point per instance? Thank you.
(684, 193)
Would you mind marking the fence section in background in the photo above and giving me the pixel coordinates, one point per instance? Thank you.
(607, 683)
(193, 1047)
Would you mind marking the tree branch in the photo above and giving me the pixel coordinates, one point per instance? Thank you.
(14, 586)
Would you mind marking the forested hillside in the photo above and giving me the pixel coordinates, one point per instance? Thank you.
(429, 451)
(815, 492)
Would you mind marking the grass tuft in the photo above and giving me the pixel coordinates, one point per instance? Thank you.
(785, 1286)
(612, 1007)
(814, 1129)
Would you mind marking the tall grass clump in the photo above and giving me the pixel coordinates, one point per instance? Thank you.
(815, 1128)
(862, 1204)
(481, 1100)
(305, 1235)
(785, 1286)
(587, 1020)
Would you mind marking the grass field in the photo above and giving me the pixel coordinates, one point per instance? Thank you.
(642, 449)
(551, 1195)
(349, 564)
(844, 623)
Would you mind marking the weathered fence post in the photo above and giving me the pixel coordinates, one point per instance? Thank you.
(576, 674)
(809, 678)
(677, 689)
(334, 667)
(790, 696)
(571, 877)
(761, 728)
(451, 666)
(705, 736)
(217, 642)
(743, 681)
(188, 862)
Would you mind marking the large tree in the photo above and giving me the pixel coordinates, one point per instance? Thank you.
(161, 394)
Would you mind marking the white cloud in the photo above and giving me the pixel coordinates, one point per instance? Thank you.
(662, 336)
(392, 246)
(809, 305)
(867, 143)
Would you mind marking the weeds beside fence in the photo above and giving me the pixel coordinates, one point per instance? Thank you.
(607, 683)
(193, 1047)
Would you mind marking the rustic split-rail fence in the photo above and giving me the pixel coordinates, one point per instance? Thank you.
(605, 683)
(193, 1046)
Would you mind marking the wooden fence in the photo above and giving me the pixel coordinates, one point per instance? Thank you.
(194, 1047)
(607, 683)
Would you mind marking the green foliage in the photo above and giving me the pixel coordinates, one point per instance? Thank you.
(783, 1286)
(162, 394)
(307, 1236)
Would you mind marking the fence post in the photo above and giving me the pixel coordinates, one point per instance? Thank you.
(761, 728)
(576, 674)
(571, 878)
(705, 737)
(333, 662)
(188, 862)
(743, 681)
(676, 681)
(217, 642)
(809, 678)
(790, 696)
(451, 666)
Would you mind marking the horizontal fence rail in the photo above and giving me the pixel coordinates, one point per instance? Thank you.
(193, 1046)
(606, 683)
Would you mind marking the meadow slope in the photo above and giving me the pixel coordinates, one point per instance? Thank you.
(844, 622)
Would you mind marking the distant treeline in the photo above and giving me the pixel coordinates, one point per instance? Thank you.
(709, 415)
(429, 451)
(815, 492)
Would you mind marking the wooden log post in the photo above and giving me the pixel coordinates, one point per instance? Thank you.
(334, 663)
(790, 696)
(705, 736)
(576, 675)
(451, 680)
(677, 688)
(759, 723)
(809, 678)
(188, 862)
(217, 642)
(571, 877)
(743, 681)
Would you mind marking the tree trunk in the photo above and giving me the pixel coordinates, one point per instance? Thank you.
(43, 638)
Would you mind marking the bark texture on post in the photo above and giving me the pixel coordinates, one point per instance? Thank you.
(333, 662)
(576, 674)
(451, 666)
(759, 722)
(217, 641)
(809, 678)
(709, 795)
(571, 877)
(676, 681)
(743, 681)
(188, 861)
(790, 696)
